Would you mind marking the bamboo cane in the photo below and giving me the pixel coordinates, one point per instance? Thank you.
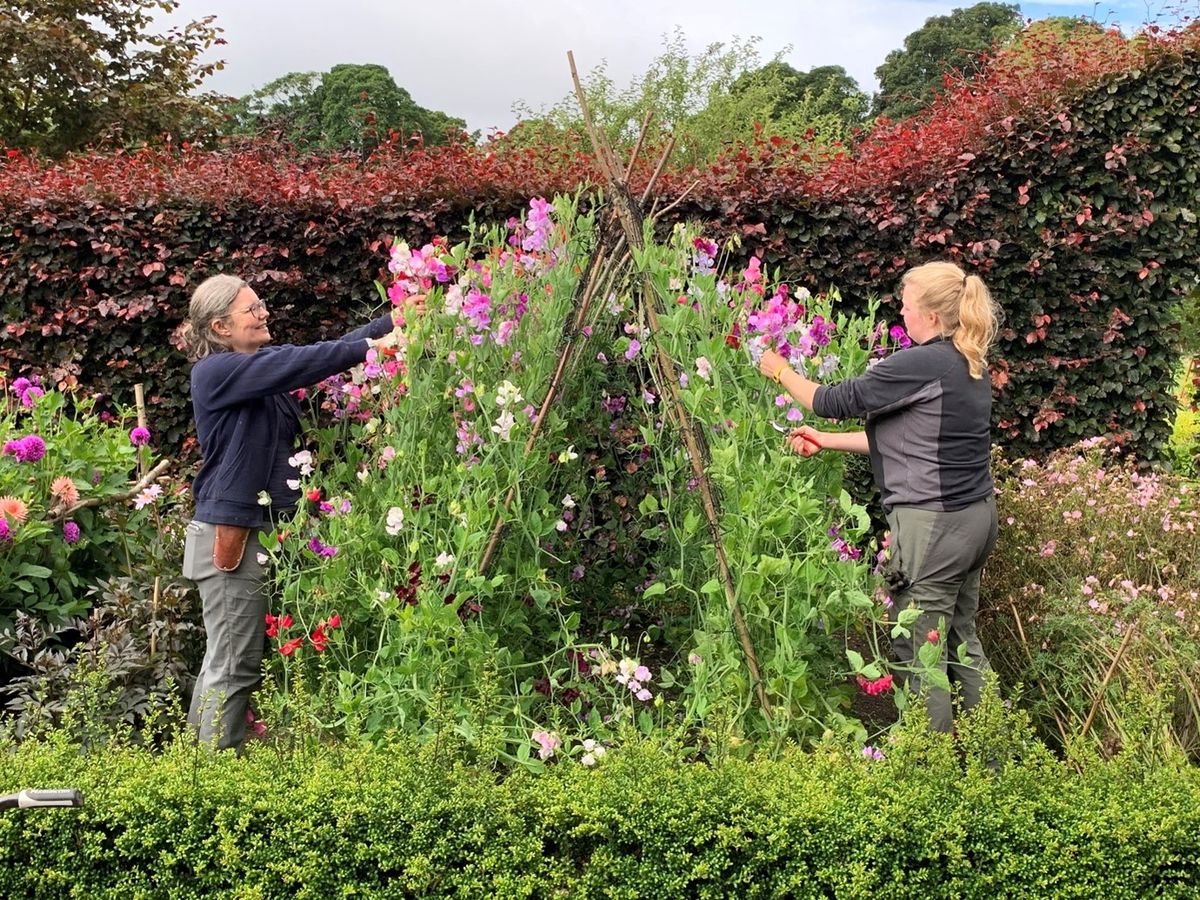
(1029, 653)
(1108, 677)
(585, 292)
(139, 399)
(629, 211)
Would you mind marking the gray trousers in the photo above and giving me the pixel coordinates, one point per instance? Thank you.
(234, 606)
(943, 554)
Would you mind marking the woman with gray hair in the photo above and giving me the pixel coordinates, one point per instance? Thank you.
(247, 422)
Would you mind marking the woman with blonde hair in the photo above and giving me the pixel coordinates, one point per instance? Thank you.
(247, 422)
(927, 411)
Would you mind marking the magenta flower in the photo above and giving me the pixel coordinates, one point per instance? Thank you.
(632, 350)
(71, 532)
(900, 336)
(27, 391)
(30, 448)
(5, 535)
(139, 437)
(320, 549)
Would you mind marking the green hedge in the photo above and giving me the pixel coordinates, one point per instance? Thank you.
(925, 822)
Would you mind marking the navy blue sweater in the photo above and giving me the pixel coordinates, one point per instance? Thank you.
(928, 425)
(246, 421)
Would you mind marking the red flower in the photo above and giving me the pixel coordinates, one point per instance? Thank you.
(314, 495)
(733, 341)
(291, 646)
(276, 623)
(876, 687)
(335, 621)
(933, 636)
(319, 638)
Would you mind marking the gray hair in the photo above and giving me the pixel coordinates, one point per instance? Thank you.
(210, 301)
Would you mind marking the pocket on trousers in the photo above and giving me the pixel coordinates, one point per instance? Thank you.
(192, 553)
(229, 544)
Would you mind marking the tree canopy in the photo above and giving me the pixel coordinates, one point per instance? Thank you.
(708, 101)
(355, 107)
(909, 77)
(77, 73)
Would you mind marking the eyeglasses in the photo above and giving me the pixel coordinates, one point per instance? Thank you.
(256, 309)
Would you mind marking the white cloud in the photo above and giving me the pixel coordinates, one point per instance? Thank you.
(474, 58)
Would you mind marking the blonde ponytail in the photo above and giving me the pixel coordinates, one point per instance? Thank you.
(963, 305)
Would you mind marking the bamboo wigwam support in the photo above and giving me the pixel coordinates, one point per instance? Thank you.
(629, 212)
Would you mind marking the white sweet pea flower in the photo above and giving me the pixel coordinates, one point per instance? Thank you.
(444, 560)
(504, 425)
(568, 502)
(703, 367)
(302, 461)
(508, 394)
(567, 455)
(395, 521)
(293, 484)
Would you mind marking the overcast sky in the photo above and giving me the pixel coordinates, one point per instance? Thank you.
(473, 58)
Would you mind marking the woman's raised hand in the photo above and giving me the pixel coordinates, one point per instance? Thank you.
(414, 303)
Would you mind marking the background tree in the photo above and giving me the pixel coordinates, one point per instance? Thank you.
(909, 77)
(813, 97)
(717, 98)
(352, 107)
(82, 72)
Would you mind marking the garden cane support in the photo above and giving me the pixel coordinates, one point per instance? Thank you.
(629, 211)
(601, 267)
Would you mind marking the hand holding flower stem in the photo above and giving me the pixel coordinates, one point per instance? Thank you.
(777, 369)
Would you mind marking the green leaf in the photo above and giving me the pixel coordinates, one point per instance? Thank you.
(654, 590)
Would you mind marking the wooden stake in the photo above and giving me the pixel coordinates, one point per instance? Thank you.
(139, 399)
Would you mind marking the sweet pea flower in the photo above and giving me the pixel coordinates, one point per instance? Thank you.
(703, 367)
(395, 521)
(547, 741)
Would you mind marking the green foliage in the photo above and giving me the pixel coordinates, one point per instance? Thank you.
(825, 99)
(110, 672)
(709, 103)
(1093, 593)
(79, 73)
(350, 107)
(909, 78)
(1004, 819)
(429, 595)
(84, 479)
